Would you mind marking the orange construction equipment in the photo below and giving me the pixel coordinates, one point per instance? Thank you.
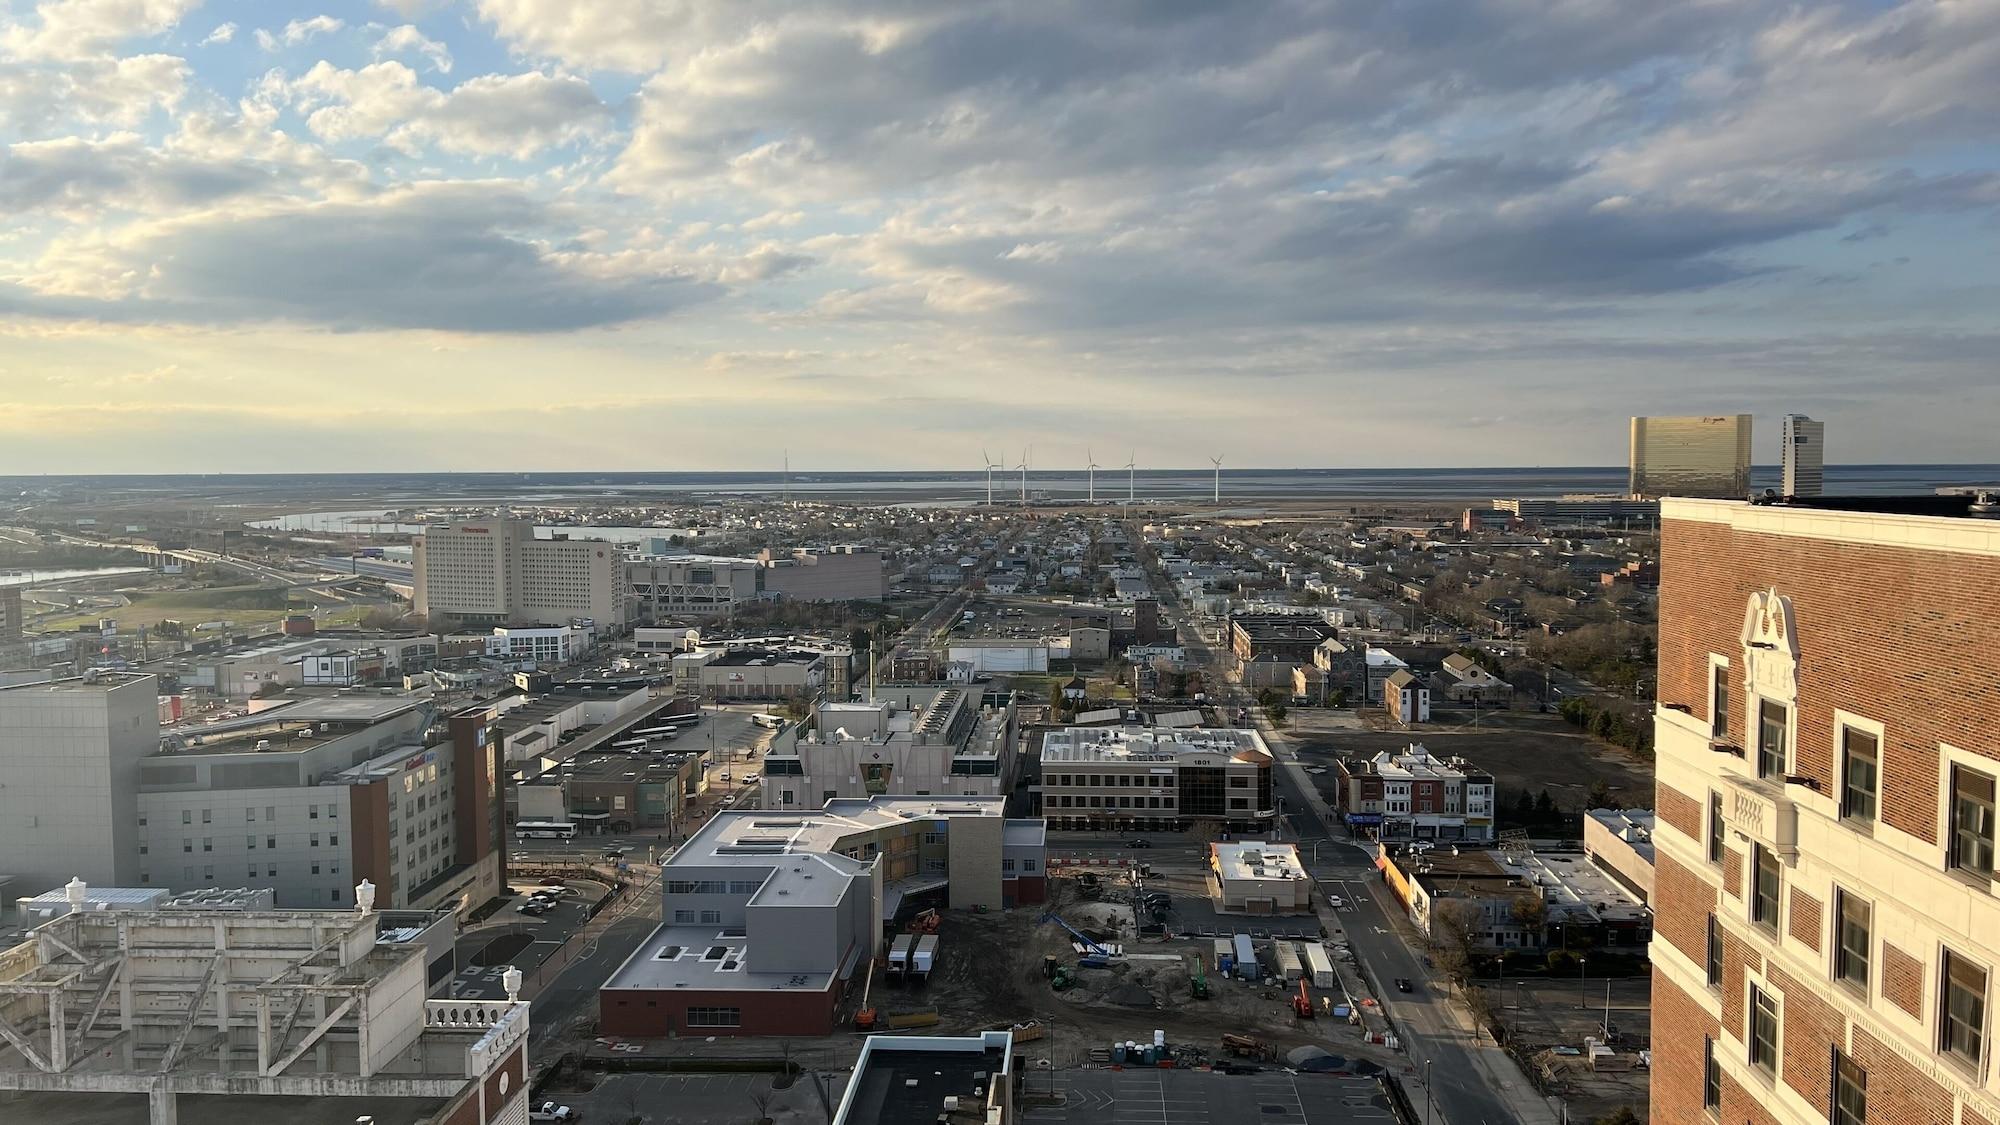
(864, 1019)
(925, 923)
(1302, 1004)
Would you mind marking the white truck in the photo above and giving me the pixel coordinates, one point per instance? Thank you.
(551, 1112)
(924, 957)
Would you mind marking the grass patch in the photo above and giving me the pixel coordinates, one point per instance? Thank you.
(246, 608)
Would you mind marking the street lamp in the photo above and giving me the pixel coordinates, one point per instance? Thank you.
(1428, 1097)
(1582, 962)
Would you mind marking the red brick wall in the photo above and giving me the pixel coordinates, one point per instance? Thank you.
(368, 811)
(1679, 810)
(1903, 980)
(1738, 957)
(1896, 1091)
(1852, 661)
(1677, 1058)
(649, 1015)
(1684, 924)
(1811, 1028)
(1805, 919)
(1732, 872)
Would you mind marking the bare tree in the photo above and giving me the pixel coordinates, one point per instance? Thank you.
(1454, 930)
(762, 1100)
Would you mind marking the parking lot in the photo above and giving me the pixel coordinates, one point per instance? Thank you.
(524, 941)
(1190, 1097)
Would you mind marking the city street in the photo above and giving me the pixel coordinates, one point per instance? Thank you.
(1471, 1082)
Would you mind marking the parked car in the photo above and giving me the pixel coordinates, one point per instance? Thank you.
(1335, 901)
(550, 1111)
(1402, 984)
(534, 906)
(553, 881)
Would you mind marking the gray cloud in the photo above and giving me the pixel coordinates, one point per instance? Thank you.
(446, 257)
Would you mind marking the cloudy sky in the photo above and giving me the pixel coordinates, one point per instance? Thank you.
(682, 234)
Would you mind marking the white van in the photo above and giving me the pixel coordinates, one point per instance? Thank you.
(765, 719)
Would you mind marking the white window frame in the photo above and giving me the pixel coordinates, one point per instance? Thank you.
(1844, 721)
(1716, 664)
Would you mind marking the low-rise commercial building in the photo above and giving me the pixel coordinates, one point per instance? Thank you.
(1286, 637)
(750, 673)
(931, 1080)
(1621, 842)
(618, 791)
(1153, 778)
(1414, 795)
(1001, 654)
(844, 573)
(904, 740)
(768, 916)
(1253, 877)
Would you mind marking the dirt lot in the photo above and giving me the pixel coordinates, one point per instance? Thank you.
(1524, 750)
(1543, 1014)
(990, 972)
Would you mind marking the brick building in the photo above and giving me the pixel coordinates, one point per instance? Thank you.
(1828, 932)
(1415, 795)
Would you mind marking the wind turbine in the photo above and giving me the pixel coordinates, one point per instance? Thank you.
(1131, 460)
(1023, 466)
(991, 465)
(1218, 478)
(1092, 461)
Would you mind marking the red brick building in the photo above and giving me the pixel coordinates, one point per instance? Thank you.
(1827, 931)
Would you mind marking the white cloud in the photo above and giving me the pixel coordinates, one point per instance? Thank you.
(223, 33)
(517, 115)
(407, 38)
(299, 31)
(82, 29)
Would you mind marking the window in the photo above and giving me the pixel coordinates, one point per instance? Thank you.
(208, 843)
(933, 837)
(249, 814)
(1718, 703)
(208, 873)
(1964, 1029)
(714, 1017)
(253, 871)
(312, 812)
(315, 868)
(1850, 1091)
(1773, 723)
(187, 844)
(250, 843)
(187, 816)
(1764, 903)
(1763, 1029)
(684, 917)
(270, 841)
(1972, 821)
(332, 810)
(313, 840)
(1711, 1076)
(334, 894)
(1850, 956)
(1860, 773)
(204, 816)
(1007, 865)
(1715, 828)
(270, 814)
(333, 839)
(1714, 952)
(142, 849)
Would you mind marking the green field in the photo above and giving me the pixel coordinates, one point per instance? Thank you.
(246, 608)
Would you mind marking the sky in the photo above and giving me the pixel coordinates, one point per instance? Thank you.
(683, 234)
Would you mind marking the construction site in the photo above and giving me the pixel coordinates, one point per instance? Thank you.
(1079, 975)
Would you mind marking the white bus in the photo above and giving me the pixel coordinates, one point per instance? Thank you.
(544, 830)
(630, 745)
(666, 734)
(766, 719)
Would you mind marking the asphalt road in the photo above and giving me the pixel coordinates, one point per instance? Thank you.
(1191, 1097)
(1435, 1033)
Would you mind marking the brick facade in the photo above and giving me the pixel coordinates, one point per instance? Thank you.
(1804, 921)
(1903, 980)
(658, 1014)
(1677, 1058)
(1732, 872)
(1867, 669)
(1811, 1027)
(1897, 1092)
(1685, 927)
(1679, 811)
